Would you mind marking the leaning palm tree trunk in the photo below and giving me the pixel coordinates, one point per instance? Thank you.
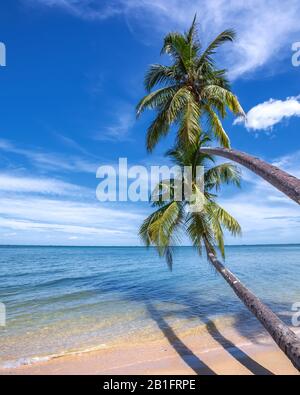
(281, 180)
(281, 333)
(290, 185)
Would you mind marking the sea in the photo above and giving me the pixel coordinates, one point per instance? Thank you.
(69, 300)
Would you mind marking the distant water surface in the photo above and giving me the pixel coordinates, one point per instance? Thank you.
(67, 299)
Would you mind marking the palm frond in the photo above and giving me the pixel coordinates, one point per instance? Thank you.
(156, 99)
(215, 92)
(167, 190)
(198, 228)
(226, 35)
(177, 103)
(159, 228)
(227, 173)
(160, 74)
(178, 48)
(192, 32)
(217, 127)
(157, 129)
(229, 222)
(189, 129)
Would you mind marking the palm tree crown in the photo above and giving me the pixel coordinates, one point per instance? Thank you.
(191, 89)
(163, 228)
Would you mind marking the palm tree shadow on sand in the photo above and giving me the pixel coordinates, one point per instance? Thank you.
(182, 350)
(236, 352)
(194, 308)
(192, 360)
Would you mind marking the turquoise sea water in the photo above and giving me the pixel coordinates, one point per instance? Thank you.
(65, 299)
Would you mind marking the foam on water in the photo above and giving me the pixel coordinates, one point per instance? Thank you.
(32, 360)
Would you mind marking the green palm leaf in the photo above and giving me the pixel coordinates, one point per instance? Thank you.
(159, 229)
(215, 92)
(229, 222)
(217, 127)
(226, 35)
(227, 173)
(156, 99)
(160, 74)
(189, 129)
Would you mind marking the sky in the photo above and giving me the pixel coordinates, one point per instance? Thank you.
(73, 76)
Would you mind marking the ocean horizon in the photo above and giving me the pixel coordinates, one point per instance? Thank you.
(64, 299)
(140, 246)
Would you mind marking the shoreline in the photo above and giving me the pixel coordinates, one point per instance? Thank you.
(228, 354)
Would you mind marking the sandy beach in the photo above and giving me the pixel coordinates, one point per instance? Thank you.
(226, 354)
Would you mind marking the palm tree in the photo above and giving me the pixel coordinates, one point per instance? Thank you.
(176, 211)
(191, 91)
(281, 180)
(162, 229)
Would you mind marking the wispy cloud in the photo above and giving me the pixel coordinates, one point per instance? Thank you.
(44, 186)
(260, 221)
(71, 143)
(265, 115)
(289, 163)
(258, 43)
(119, 129)
(51, 161)
(36, 218)
(87, 9)
(50, 210)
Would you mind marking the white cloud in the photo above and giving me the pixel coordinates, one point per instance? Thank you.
(119, 130)
(263, 221)
(12, 234)
(46, 227)
(51, 161)
(289, 163)
(88, 9)
(65, 211)
(70, 143)
(49, 186)
(38, 219)
(265, 28)
(265, 115)
(44, 210)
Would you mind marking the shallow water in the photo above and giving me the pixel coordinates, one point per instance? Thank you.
(64, 299)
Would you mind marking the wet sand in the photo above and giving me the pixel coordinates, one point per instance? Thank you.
(223, 353)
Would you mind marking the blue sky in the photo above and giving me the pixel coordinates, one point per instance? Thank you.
(74, 74)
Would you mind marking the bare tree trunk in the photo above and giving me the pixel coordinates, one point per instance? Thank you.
(281, 333)
(281, 180)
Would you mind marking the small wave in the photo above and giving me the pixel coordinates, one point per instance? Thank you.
(32, 360)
